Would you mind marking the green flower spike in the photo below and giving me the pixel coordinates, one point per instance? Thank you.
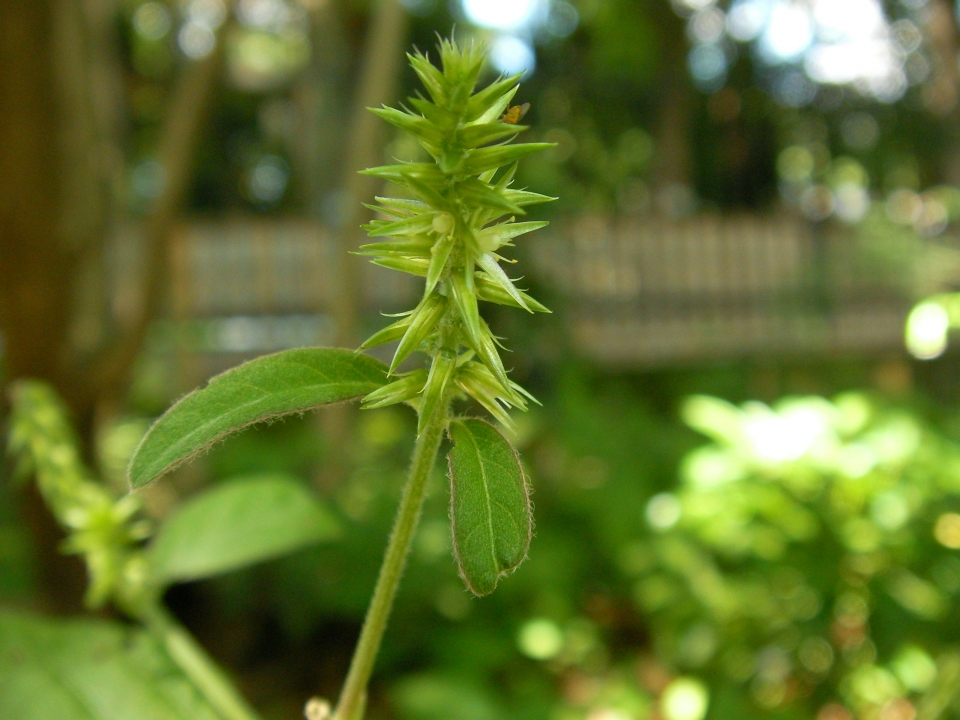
(460, 211)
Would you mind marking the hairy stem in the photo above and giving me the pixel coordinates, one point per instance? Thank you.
(197, 665)
(353, 696)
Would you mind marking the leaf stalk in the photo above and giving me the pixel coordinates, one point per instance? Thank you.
(187, 653)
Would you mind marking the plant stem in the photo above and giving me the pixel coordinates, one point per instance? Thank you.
(353, 696)
(187, 653)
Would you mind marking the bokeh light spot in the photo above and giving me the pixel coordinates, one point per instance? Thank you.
(502, 14)
(788, 34)
(795, 164)
(268, 180)
(511, 55)
(926, 332)
(816, 654)
(915, 668)
(947, 530)
(708, 66)
(540, 639)
(663, 511)
(747, 18)
(685, 699)
(196, 40)
(152, 21)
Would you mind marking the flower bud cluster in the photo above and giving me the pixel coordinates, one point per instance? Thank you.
(459, 211)
(103, 529)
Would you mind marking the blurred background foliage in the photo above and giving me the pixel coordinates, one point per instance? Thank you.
(746, 466)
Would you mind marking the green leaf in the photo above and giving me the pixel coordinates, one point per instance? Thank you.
(90, 670)
(238, 523)
(286, 382)
(489, 504)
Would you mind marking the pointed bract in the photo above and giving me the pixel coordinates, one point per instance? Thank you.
(435, 388)
(423, 322)
(406, 388)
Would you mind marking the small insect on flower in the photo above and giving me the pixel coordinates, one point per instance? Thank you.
(515, 113)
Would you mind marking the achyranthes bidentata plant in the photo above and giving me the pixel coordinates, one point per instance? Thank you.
(448, 225)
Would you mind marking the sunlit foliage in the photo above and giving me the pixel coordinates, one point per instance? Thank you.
(809, 553)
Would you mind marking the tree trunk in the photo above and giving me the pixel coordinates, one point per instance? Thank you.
(36, 264)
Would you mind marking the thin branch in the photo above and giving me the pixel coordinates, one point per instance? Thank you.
(179, 139)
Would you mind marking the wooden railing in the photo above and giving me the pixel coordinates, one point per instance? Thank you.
(644, 292)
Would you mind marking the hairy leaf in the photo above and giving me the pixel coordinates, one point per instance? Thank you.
(90, 670)
(489, 504)
(286, 382)
(237, 523)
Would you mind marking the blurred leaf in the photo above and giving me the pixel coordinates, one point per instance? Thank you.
(917, 595)
(89, 670)
(625, 43)
(489, 504)
(435, 697)
(286, 382)
(239, 523)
